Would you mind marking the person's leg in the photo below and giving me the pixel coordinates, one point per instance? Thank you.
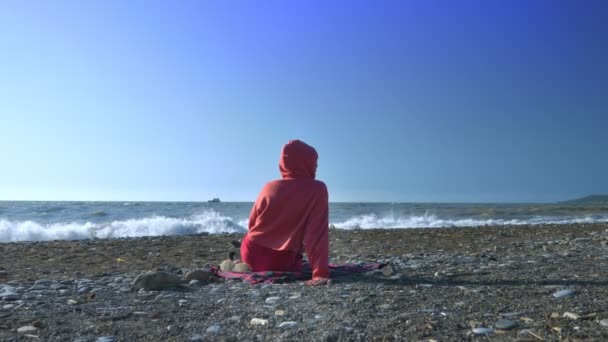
(262, 259)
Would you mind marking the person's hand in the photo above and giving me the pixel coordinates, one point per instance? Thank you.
(318, 281)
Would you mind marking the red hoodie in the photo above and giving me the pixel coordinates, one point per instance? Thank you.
(291, 215)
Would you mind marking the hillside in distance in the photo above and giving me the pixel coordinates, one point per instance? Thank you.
(591, 199)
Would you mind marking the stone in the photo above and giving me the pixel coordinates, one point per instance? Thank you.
(156, 281)
(571, 315)
(279, 313)
(106, 339)
(10, 296)
(232, 266)
(214, 329)
(196, 338)
(72, 302)
(388, 270)
(200, 275)
(288, 324)
(505, 324)
(272, 300)
(194, 282)
(604, 322)
(483, 331)
(38, 288)
(563, 293)
(26, 329)
(45, 282)
(258, 321)
(8, 307)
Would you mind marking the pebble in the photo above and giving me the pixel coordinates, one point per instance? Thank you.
(604, 322)
(196, 338)
(571, 315)
(258, 321)
(43, 282)
(272, 300)
(288, 324)
(194, 282)
(214, 329)
(279, 313)
(10, 296)
(3, 273)
(106, 339)
(72, 302)
(483, 331)
(505, 324)
(200, 275)
(156, 281)
(8, 307)
(26, 329)
(563, 293)
(37, 288)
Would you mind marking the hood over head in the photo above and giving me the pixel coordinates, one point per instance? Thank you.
(298, 160)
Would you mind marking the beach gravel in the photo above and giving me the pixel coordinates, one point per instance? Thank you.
(527, 283)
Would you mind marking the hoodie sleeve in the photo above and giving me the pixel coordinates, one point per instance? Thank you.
(316, 236)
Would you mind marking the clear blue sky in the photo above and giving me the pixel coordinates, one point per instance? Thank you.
(404, 100)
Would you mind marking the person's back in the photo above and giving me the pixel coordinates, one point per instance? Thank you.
(289, 216)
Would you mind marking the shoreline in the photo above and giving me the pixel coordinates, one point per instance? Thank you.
(447, 282)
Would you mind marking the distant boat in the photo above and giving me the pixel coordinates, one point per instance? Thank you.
(214, 200)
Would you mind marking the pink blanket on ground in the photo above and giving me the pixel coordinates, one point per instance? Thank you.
(273, 277)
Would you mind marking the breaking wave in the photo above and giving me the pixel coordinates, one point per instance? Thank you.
(370, 221)
(208, 222)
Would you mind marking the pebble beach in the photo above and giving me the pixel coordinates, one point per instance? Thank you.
(523, 283)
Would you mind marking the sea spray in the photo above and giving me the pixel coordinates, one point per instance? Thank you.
(207, 222)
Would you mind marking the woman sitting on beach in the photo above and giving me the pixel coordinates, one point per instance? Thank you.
(291, 216)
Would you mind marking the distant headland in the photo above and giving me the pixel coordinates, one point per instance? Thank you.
(591, 199)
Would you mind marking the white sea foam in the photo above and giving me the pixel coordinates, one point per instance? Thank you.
(206, 222)
(431, 221)
(212, 222)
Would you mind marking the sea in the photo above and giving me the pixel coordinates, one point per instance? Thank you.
(39, 221)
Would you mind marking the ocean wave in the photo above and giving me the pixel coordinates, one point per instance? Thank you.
(371, 221)
(207, 222)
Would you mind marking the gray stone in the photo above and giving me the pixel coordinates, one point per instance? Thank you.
(10, 296)
(272, 300)
(43, 282)
(196, 338)
(483, 331)
(38, 288)
(156, 281)
(288, 324)
(563, 293)
(604, 322)
(200, 275)
(27, 329)
(106, 339)
(214, 329)
(505, 324)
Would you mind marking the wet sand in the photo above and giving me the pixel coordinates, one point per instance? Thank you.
(447, 285)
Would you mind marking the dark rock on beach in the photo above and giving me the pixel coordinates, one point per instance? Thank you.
(525, 283)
